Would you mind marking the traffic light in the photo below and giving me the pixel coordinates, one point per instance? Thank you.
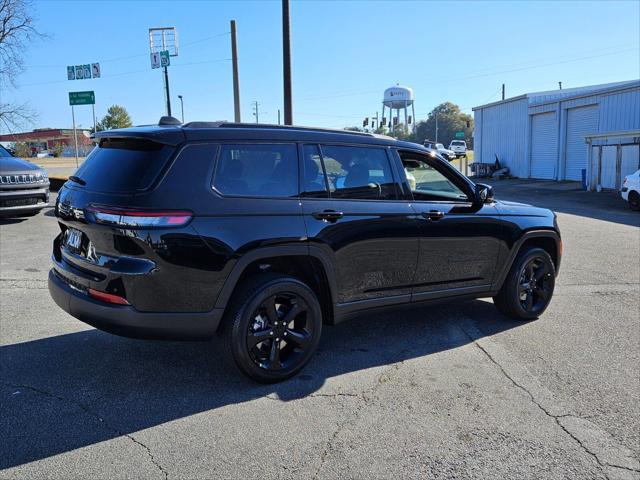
(365, 122)
(395, 121)
(468, 124)
(409, 120)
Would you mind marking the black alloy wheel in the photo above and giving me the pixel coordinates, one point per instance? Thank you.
(528, 287)
(534, 287)
(272, 328)
(279, 333)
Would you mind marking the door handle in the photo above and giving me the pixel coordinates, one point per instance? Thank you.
(433, 215)
(328, 215)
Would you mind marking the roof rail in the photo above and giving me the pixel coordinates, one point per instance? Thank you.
(225, 124)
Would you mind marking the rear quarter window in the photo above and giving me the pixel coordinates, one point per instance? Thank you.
(257, 170)
(123, 165)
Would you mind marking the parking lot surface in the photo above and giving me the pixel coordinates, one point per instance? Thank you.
(449, 391)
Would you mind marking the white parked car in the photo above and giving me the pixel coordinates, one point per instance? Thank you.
(439, 148)
(631, 190)
(459, 147)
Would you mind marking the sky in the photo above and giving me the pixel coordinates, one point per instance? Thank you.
(344, 55)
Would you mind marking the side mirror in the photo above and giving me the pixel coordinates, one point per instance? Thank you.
(484, 193)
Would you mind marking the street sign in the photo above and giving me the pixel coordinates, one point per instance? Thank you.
(82, 98)
(79, 72)
(87, 71)
(155, 60)
(71, 73)
(164, 58)
(95, 70)
(459, 134)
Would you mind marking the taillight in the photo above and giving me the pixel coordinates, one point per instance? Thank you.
(107, 297)
(121, 217)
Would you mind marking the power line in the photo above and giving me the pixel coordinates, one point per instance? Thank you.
(137, 55)
(131, 72)
(492, 72)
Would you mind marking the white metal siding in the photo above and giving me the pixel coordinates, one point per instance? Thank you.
(503, 132)
(608, 166)
(544, 145)
(580, 122)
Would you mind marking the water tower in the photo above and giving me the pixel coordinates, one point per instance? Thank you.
(398, 98)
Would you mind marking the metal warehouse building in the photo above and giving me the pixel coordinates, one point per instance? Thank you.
(556, 135)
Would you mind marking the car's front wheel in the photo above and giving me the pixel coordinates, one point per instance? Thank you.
(528, 288)
(634, 200)
(272, 328)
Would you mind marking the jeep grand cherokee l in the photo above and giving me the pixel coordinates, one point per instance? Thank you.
(24, 187)
(259, 235)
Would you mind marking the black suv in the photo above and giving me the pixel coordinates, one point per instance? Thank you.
(258, 235)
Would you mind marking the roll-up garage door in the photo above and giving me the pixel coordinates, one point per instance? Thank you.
(544, 145)
(580, 122)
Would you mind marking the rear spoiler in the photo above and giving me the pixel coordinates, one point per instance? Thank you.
(164, 135)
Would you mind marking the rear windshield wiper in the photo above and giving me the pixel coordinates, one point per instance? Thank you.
(73, 178)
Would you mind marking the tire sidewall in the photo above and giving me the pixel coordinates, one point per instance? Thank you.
(243, 317)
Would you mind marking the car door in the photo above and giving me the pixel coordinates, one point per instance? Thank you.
(460, 241)
(352, 210)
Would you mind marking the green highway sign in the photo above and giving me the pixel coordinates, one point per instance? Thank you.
(82, 98)
(164, 58)
(459, 134)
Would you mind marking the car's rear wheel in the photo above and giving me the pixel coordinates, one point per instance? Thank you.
(634, 200)
(272, 328)
(528, 288)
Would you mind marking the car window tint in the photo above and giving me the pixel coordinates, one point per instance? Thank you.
(358, 173)
(427, 183)
(313, 182)
(257, 170)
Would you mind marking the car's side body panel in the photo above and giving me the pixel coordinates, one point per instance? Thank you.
(377, 254)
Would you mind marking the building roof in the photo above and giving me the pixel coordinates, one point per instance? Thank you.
(42, 134)
(536, 98)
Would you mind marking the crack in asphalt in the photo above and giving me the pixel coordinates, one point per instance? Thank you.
(381, 380)
(91, 413)
(603, 464)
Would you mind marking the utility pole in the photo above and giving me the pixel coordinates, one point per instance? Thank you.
(286, 63)
(278, 116)
(503, 91)
(436, 126)
(560, 85)
(166, 84)
(255, 110)
(236, 81)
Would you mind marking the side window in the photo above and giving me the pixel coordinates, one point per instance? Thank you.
(260, 170)
(358, 173)
(428, 183)
(313, 180)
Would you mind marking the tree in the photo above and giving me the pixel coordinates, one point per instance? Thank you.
(16, 32)
(450, 121)
(22, 150)
(116, 117)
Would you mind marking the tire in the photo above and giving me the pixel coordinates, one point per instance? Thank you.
(255, 320)
(520, 298)
(634, 200)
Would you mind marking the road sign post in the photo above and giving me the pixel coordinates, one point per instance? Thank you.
(163, 44)
(81, 98)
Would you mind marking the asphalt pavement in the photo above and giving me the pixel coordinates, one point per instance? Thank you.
(449, 392)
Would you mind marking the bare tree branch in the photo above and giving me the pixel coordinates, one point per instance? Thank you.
(16, 33)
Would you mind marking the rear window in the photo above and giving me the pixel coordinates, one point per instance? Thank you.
(123, 165)
(259, 170)
(457, 143)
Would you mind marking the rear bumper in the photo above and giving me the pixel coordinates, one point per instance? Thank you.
(129, 322)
